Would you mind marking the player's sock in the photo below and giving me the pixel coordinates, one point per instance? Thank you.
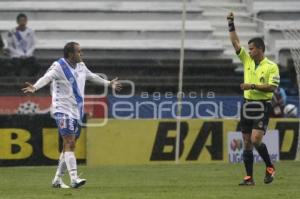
(248, 162)
(61, 168)
(71, 164)
(263, 152)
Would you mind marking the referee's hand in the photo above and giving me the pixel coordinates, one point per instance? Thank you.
(230, 17)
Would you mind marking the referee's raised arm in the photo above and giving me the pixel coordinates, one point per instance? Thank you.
(232, 33)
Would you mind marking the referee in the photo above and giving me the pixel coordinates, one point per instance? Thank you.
(261, 78)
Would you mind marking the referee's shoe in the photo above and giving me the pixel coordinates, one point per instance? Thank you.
(247, 181)
(270, 173)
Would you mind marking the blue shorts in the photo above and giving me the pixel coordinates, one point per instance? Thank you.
(67, 125)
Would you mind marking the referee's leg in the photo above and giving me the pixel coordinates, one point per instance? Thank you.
(256, 138)
(248, 158)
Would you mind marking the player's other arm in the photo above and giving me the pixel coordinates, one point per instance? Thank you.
(115, 84)
(232, 33)
(43, 81)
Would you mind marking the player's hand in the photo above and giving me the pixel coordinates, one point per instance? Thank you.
(230, 17)
(29, 89)
(115, 84)
(245, 86)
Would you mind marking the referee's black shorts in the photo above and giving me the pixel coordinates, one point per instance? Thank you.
(255, 115)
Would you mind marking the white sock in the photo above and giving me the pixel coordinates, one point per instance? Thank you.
(71, 164)
(61, 168)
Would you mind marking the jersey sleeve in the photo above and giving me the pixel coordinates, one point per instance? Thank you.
(95, 78)
(274, 78)
(244, 56)
(52, 73)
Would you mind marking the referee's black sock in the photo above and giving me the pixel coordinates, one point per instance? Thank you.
(248, 161)
(263, 152)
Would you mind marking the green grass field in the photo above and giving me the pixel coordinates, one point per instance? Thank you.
(160, 181)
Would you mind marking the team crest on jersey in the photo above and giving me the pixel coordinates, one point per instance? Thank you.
(262, 80)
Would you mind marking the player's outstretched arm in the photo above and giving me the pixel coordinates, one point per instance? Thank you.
(115, 84)
(29, 88)
(232, 33)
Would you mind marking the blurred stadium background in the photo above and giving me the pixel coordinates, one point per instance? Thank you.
(139, 41)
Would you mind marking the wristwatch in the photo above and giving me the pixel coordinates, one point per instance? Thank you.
(253, 86)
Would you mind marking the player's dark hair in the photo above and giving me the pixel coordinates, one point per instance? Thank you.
(258, 42)
(21, 15)
(69, 48)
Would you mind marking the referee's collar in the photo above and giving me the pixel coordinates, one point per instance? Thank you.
(264, 60)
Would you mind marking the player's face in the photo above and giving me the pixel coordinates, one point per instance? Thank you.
(22, 21)
(77, 54)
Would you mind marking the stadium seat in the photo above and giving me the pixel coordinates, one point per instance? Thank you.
(115, 29)
(133, 48)
(98, 10)
(278, 10)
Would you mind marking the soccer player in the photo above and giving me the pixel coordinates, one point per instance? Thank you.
(68, 76)
(261, 78)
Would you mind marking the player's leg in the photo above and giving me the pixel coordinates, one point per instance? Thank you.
(69, 147)
(68, 129)
(69, 141)
(57, 182)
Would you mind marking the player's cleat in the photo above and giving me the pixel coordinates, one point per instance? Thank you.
(247, 181)
(78, 182)
(270, 173)
(58, 183)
